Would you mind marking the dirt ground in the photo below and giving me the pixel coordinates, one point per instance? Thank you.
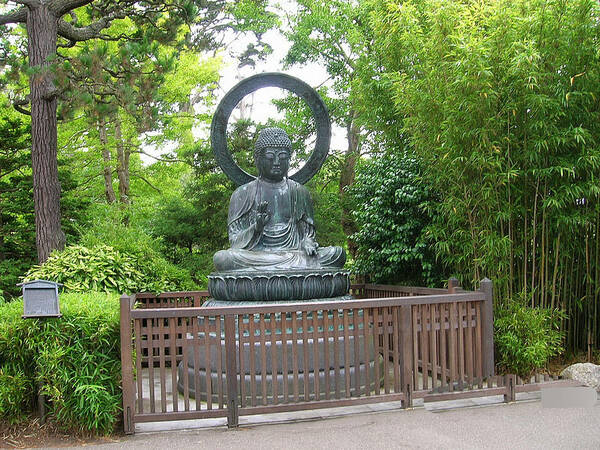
(32, 434)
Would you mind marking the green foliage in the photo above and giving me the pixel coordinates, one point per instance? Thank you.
(103, 268)
(501, 106)
(15, 393)
(526, 338)
(17, 222)
(76, 358)
(389, 207)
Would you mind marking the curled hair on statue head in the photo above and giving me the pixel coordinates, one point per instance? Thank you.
(271, 138)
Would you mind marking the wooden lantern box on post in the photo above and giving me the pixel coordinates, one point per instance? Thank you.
(40, 299)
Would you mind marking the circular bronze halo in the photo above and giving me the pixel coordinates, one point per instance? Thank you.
(218, 128)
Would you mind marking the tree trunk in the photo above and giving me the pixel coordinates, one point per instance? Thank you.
(42, 36)
(107, 169)
(347, 176)
(123, 167)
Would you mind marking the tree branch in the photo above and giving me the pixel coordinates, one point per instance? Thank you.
(68, 31)
(60, 7)
(159, 158)
(147, 182)
(17, 16)
(30, 3)
(18, 105)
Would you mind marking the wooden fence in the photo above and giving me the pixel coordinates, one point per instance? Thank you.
(393, 344)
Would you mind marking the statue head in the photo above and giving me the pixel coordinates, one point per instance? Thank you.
(272, 154)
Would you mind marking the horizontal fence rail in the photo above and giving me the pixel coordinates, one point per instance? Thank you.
(183, 361)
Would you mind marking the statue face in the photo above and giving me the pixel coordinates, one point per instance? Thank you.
(273, 163)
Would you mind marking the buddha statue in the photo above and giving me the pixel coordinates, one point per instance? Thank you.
(271, 221)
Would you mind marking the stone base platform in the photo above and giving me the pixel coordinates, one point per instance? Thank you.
(280, 285)
(335, 372)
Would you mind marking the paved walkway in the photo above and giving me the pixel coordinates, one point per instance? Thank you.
(525, 424)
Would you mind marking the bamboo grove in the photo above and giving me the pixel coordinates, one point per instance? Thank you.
(501, 102)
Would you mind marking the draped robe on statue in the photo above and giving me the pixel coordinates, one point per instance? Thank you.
(279, 246)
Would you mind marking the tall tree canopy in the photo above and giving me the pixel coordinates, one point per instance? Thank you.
(53, 24)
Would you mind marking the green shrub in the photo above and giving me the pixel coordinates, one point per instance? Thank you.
(103, 268)
(15, 393)
(76, 358)
(526, 338)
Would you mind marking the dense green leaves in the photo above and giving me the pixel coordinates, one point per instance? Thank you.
(500, 102)
(391, 212)
(526, 338)
(102, 268)
(75, 359)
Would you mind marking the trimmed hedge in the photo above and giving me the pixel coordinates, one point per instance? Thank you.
(76, 358)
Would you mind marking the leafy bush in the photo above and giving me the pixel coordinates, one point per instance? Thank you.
(15, 393)
(76, 358)
(526, 338)
(391, 217)
(102, 268)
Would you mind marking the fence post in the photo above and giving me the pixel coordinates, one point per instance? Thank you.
(452, 284)
(407, 355)
(232, 371)
(127, 365)
(509, 382)
(487, 327)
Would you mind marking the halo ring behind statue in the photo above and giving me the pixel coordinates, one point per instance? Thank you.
(218, 129)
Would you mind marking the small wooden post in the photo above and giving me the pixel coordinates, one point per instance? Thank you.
(453, 283)
(232, 372)
(127, 364)
(487, 327)
(406, 354)
(509, 382)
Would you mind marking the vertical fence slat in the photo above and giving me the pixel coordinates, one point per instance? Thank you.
(347, 352)
(396, 344)
(207, 362)
(424, 346)
(231, 369)
(376, 337)
(433, 346)
(284, 358)
(305, 354)
(315, 323)
(196, 345)
(367, 356)
(138, 365)
(407, 326)
(273, 330)
(336, 351)
(453, 351)
(478, 355)
(469, 344)
(185, 359)
(356, 339)
(173, 354)
(242, 340)
(220, 368)
(127, 364)
(461, 347)
(252, 352)
(326, 365)
(161, 363)
(386, 350)
(443, 346)
(263, 358)
(415, 340)
(295, 356)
